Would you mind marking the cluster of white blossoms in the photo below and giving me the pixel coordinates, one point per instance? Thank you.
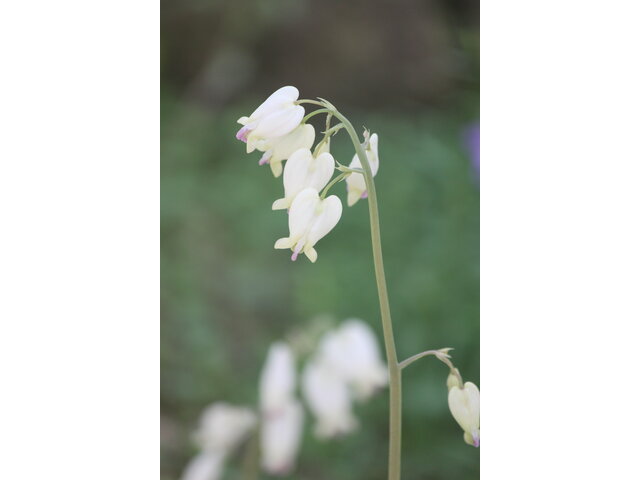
(345, 366)
(278, 129)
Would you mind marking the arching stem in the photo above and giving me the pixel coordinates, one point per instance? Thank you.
(395, 375)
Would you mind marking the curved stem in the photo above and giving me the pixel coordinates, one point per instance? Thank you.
(342, 176)
(439, 354)
(395, 376)
(314, 113)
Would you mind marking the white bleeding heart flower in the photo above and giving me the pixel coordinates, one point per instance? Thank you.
(223, 426)
(353, 351)
(280, 436)
(204, 466)
(327, 395)
(278, 378)
(356, 184)
(310, 219)
(464, 404)
(279, 149)
(303, 170)
(277, 116)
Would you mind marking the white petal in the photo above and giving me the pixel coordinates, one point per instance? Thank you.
(322, 169)
(304, 171)
(353, 350)
(356, 184)
(311, 254)
(278, 99)
(465, 406)
(279, 123)
(328, 398)
(302, 212)
(222, 427)
(280, 437)
(277, 380)
(301, 137)
(326, 220)
(205, 466)
(285, 242)
(276, 168)
(295, 173)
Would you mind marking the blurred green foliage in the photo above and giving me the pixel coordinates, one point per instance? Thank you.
(227, 294)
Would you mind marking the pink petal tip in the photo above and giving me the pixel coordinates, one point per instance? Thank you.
(242, 134)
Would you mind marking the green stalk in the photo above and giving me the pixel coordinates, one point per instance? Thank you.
(395, 377)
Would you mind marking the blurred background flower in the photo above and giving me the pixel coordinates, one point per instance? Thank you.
(407, 70)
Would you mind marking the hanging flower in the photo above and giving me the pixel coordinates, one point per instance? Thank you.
(303, 170)
(464, 404)
(222, 428)
(356, 184)
(310, 219)
(280, 437)
(279, 149)
(327, 395)
(278, 378)
(353, 351)
(277, 116)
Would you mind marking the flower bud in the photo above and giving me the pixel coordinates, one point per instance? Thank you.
(310, 219)
(277, 116)
(464, 404)
(303, 170)
(356, 184)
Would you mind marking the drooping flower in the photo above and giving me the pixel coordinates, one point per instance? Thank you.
(303, 170)
(464, 404)
(356, 185)
(278, 378)
(277, 116)
(279, 149)
(353, 351)
(310, 219)
(223, 426)
(327, 395)
(280, 437)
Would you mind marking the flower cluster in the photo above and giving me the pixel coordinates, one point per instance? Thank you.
(278, 128)
(344, 365)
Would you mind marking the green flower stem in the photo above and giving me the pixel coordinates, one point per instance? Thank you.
(314, 113)
(395, 375)
(340, 177)
(439, 354)
(251, 464)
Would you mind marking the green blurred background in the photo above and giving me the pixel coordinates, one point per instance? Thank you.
(409, 71)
